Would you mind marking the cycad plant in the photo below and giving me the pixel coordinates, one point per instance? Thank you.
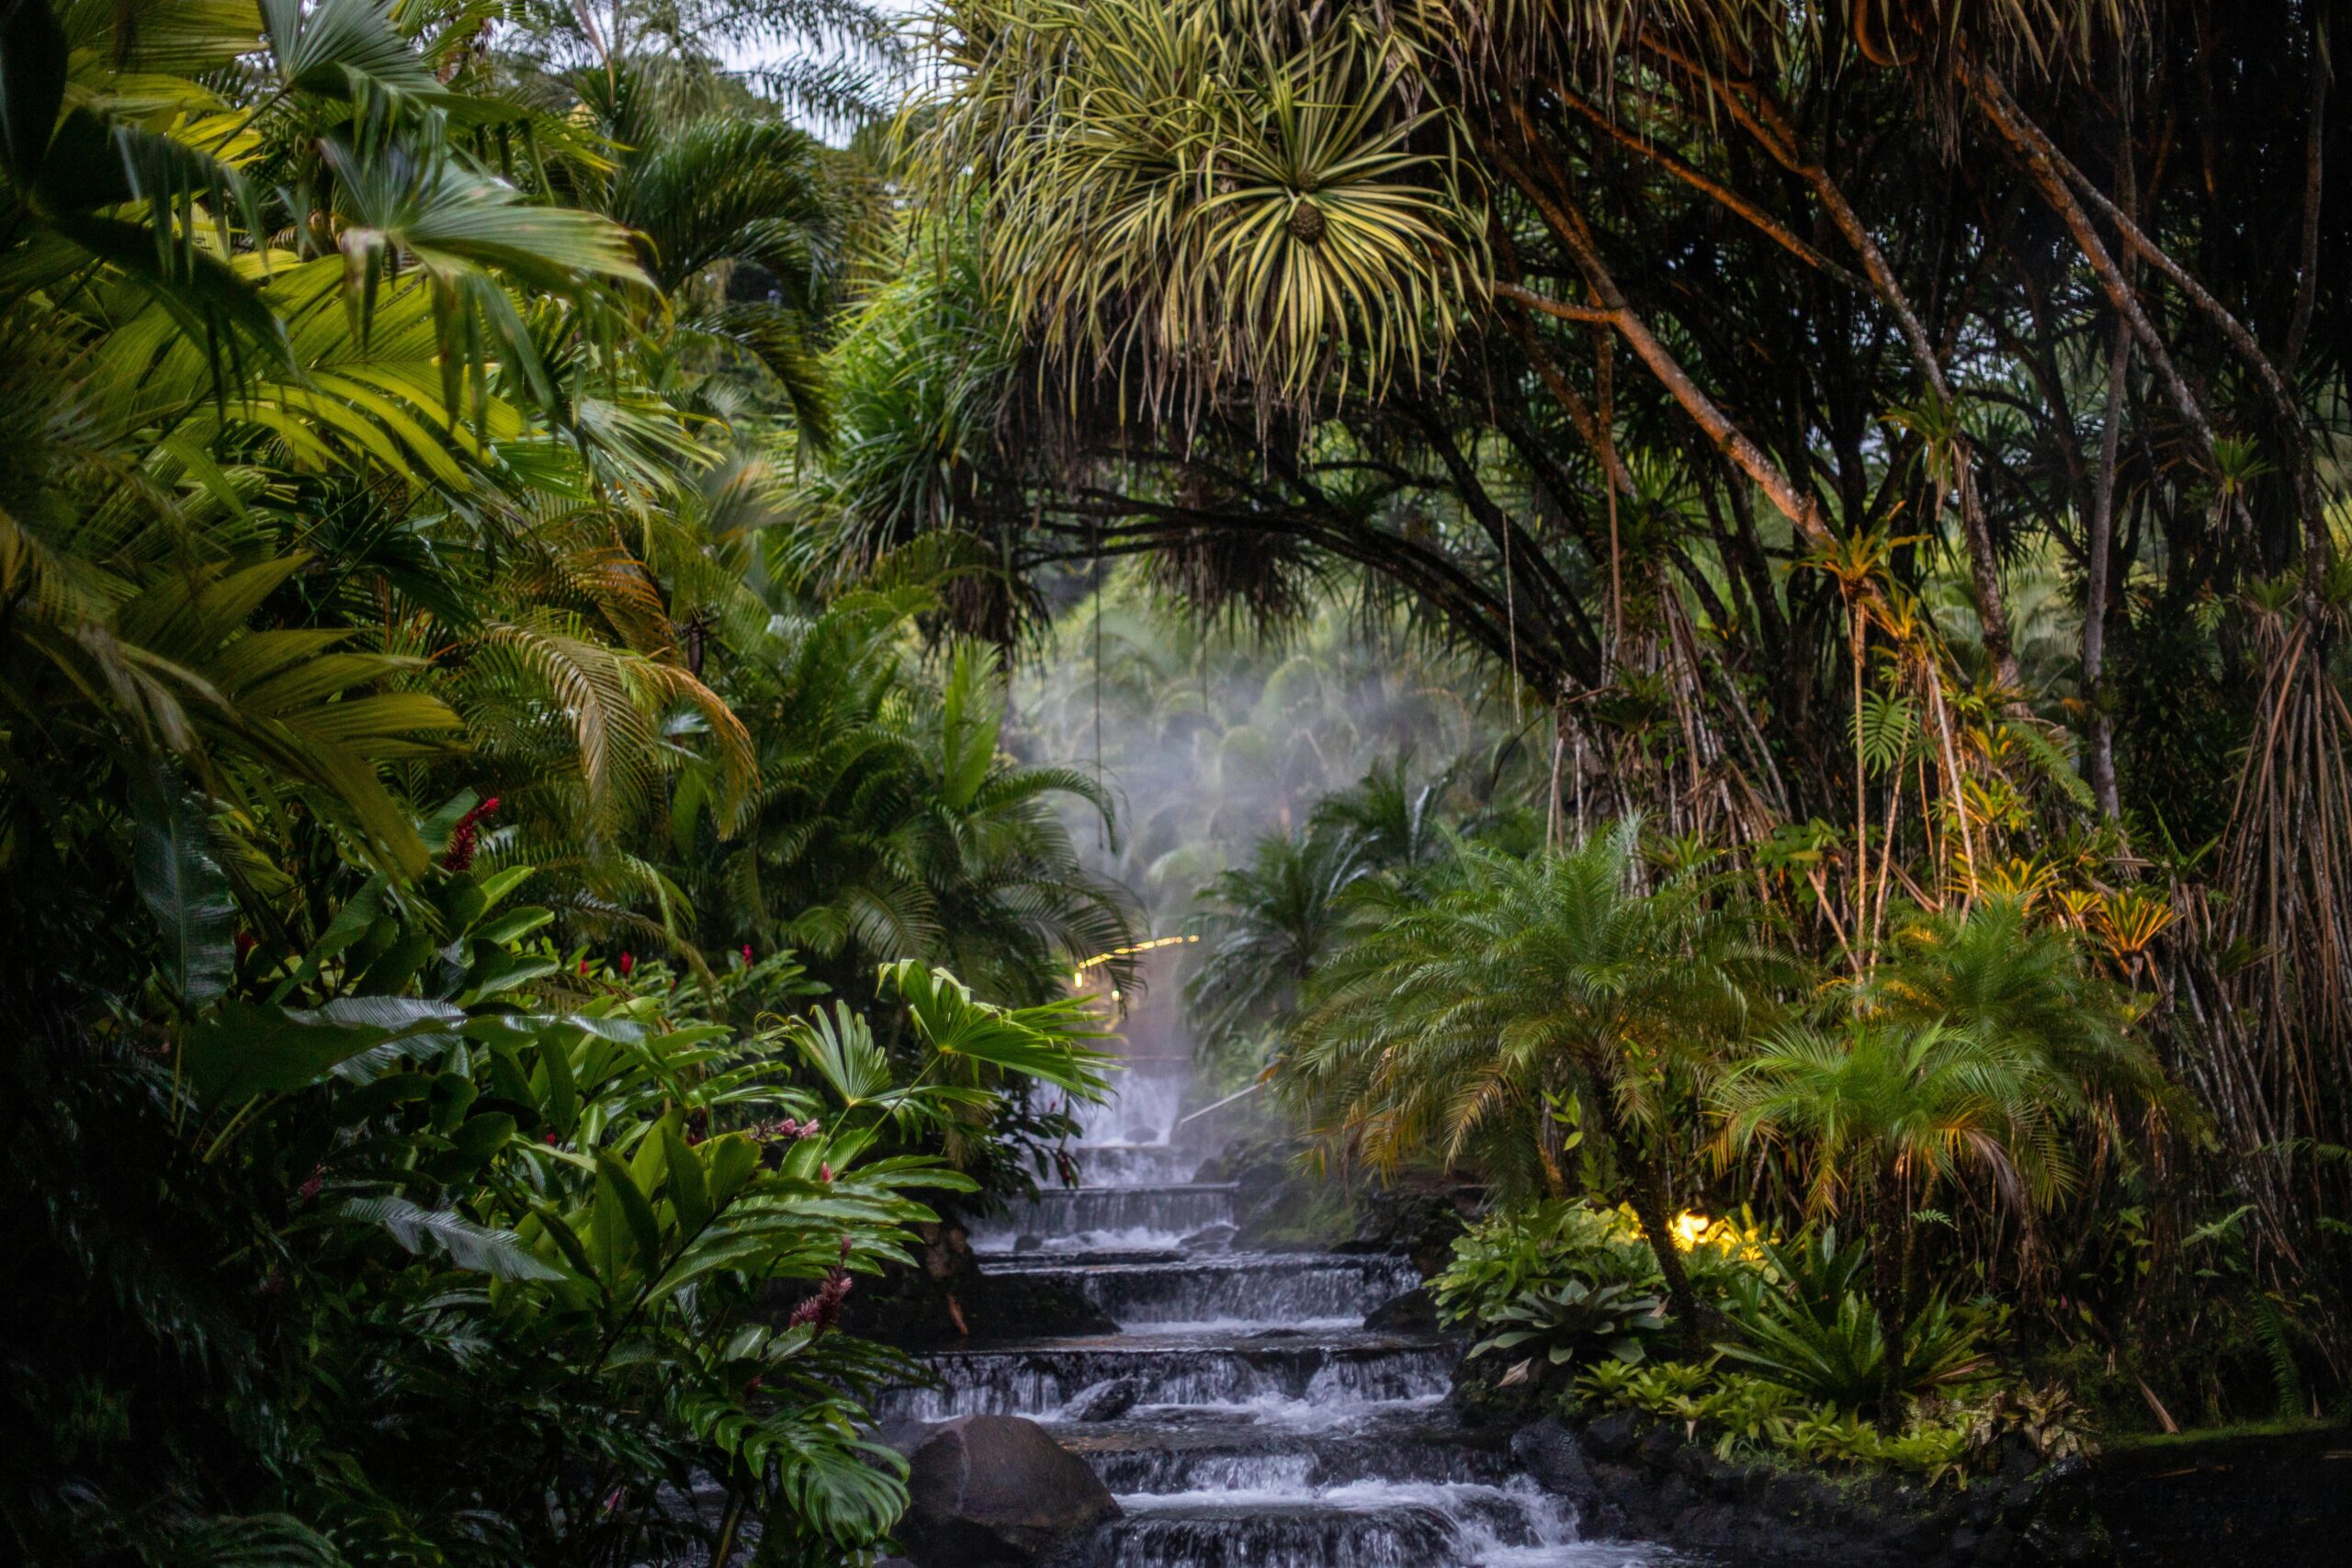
(1889, 1117)
(1459, 1021)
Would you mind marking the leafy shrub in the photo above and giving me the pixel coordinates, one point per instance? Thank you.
(1739, 1413)
(2047, 1418)
(485, 1234)
(1517, 1251)
(1522, 1249)
(1748, 1414)
(1662, 1388)
(1934, 1453)
(1830, 1436)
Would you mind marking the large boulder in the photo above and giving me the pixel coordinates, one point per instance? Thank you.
(997, 1492)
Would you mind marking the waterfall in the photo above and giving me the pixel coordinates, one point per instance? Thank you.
(1256, 1422)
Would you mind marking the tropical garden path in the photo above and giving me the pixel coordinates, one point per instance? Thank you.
(1244, 1414)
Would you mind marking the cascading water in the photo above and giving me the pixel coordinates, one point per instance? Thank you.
(1251, 1418)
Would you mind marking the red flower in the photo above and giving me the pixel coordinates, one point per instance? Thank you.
(629, 962)
(465, 837)
(747, 955)
(550, 1140)
(824, 1173)
(583, 966)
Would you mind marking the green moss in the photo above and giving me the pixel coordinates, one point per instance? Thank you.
(2194, 1435)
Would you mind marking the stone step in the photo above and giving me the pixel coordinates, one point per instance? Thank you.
(1328, 1378)
(1175, 1451)
(1319, 1291)
(1368, 1525)
(1098, 1218)
(1134, 1165)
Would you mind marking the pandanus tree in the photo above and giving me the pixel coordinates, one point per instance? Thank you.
(1431, 289)
(1464, 1018)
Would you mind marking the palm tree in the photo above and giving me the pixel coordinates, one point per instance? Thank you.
(713, 193)
(1995, 970)
(1395, 826)
(889, 822)
(1463, 1016)
(1267, 926)
(1891, 1113)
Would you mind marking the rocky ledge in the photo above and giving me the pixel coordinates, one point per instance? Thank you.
(1631, 1476)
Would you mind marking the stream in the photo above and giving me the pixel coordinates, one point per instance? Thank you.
(1257, 1422)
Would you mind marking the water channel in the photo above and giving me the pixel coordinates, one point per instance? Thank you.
(1256, 1421)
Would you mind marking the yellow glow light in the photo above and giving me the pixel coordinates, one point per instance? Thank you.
(1079, 979)
(1690, 1229)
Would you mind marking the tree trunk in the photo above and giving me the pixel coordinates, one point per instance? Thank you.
(1647, 1177)
(1890, 1265)
(2098, 569)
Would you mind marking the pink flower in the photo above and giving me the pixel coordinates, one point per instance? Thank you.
(824, 1173)
(823, 1309)
(747, 955)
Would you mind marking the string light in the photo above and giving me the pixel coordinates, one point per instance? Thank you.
(1078, 978)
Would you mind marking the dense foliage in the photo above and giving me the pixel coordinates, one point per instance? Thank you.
(435, 788)
(1883, 441)
(529, 864)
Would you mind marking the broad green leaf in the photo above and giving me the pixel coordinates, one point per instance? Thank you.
(183, 889)
(688, 1194)
(469, 1246)
(249, 1048)
(615, 1185)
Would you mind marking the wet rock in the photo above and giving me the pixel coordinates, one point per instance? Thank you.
(1414, 1312)
(1275, 1207)
(1031, 1306)
(1027, 1242)
(1660, 1446)
(1209, 1238)
(950, 1297)
(1614, 1436)
(1547, 1451)
(1419, 1216)
(997, 1492)
(1104, 1401)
